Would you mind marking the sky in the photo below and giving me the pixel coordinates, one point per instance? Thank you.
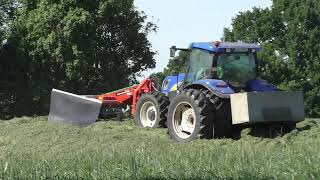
(181, 22)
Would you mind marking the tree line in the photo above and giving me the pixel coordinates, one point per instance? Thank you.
(92, 47)
(84, 47)
(289, 33)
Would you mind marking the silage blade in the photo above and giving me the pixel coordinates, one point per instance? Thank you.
(73, 109)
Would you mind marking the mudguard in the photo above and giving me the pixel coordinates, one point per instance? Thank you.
(260, 85)
(218, 87)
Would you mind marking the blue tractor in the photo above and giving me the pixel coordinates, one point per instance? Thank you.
(219, 90)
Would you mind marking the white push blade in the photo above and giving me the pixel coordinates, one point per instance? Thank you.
(73, 109)
(267, 107)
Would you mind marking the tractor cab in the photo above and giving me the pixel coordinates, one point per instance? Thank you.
(233, 63)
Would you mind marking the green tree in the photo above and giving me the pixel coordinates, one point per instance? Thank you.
(289, 32)
(7, 8)
(3, 6)
(7, 58)
(85, 47)
(175, 65)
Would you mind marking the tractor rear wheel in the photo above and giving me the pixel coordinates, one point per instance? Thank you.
(222, 118)
(190, 116)
(151, 110)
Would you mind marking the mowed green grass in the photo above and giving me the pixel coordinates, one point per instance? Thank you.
(32, 148)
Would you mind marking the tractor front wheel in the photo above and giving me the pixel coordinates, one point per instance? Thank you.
(151, 110)
(190, 116)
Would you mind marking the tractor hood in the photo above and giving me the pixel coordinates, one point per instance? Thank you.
(219, 87)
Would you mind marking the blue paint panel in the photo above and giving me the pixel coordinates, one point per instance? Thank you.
(172, 81)
(216, 85)
(209, 46)
(260, 85)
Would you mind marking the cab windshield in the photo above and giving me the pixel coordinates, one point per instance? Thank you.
(237, 69)
(200, 65)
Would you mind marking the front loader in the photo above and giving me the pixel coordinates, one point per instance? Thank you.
(219, 90)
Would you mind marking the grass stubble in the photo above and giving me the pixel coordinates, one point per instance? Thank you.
(32, 148)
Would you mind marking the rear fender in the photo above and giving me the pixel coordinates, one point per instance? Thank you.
(260, 85)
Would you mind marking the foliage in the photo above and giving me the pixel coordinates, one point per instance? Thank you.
(84, 47)
(2, 15)
(32, 148)
(175, 65)
(7, 9)
(289, 33)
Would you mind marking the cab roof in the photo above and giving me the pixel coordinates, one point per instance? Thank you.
(213, 46)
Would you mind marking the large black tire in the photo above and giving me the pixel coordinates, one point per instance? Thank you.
(158, 119)
(201, 118)
(222, 117)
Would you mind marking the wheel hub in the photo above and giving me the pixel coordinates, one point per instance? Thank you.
(148, 114)
(151, 114)
(187, 122)
(184, 120)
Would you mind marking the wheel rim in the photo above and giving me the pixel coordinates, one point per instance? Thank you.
(184, 120)
(148, 114)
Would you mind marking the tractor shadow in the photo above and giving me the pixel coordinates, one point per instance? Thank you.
(272, 131)
(113, 119)
(260, 132)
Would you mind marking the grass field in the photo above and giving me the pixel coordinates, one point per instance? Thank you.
(32, 148)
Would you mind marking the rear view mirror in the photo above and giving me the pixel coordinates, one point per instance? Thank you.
(173, 50)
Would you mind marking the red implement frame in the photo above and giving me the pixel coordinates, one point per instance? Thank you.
(127, 96)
